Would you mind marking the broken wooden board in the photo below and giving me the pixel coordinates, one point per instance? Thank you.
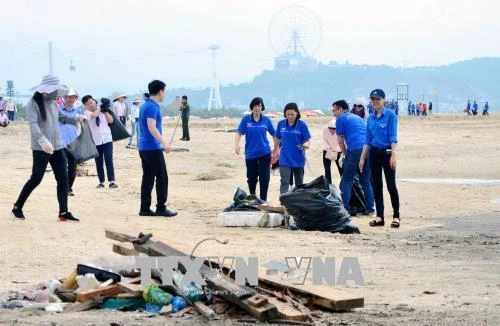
(135, 289)
(257, 300)
(328, 297)
(83, 306)
(124, 251)
(331, 298)
(285, 311)
(105, 292)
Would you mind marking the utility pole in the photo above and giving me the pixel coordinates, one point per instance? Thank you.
(51, 67)
(214, 101)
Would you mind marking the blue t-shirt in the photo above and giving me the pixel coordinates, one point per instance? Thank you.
(150, 109)
(381, 132)
(292, 136)
(256, 143)
(353, 128)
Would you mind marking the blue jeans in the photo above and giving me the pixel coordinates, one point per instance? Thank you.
(351, 167)
(105, 156)
(11, 115)
(135, 129)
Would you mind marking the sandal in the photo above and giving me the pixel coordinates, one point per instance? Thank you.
(377, 223)
(395, 224)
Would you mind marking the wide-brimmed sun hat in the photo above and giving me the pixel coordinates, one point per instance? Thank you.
(51, 84)
(119, 95)
(332, 124)
(72, 92)
(137, 100)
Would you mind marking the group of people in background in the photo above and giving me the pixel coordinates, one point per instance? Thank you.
(362, 145)
(8, 111)
(472, 110)
(419, 109)
(53, 118)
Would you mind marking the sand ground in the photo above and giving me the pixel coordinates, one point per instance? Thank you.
(448, 242)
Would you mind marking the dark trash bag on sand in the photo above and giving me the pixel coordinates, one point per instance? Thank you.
(118, 131)
(317, 206)
(244, 202)
(83, 148)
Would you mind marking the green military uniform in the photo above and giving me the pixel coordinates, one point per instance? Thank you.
(185, 120)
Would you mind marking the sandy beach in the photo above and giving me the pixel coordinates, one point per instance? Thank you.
(448, 242)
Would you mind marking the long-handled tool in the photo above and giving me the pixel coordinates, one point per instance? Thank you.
(176, 125)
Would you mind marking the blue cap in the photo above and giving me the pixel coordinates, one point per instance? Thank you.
(377, 93)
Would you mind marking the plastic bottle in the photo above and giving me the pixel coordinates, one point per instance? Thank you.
(191, 290)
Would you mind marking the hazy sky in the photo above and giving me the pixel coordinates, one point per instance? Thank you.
(122, 45)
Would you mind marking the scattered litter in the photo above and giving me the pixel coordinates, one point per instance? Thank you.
(212, 175)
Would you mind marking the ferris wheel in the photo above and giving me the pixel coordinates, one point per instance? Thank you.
(295, 30)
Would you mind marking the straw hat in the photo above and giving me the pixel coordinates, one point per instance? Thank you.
(137, 100)
(360, 101)
(119, 95)
(51, 84)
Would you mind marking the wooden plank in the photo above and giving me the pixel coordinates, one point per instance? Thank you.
(135, 289)
(257, 300)
(128, 296)
(286, 311)
(331, 298)
(117, 236)
(82, 306)
(105, 292)
(124, 251)
(274, 209)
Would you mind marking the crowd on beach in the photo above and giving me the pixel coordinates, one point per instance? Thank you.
(361, 141)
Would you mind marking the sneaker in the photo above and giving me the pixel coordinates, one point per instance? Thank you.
(68, 217)
(17, 214)
(71, 193)
(166, 213)
(100, 185)
(147, 213)
(113, 185)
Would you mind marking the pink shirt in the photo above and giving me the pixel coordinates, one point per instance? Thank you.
(330, 144)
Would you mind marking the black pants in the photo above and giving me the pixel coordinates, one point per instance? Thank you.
(327, 165)
(59, 167)
(71, 169)
(105, 157)
(185, 128)
(153, 168)
(259, 170)
(379, 160)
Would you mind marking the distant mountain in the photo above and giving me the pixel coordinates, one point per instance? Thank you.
(476, 79)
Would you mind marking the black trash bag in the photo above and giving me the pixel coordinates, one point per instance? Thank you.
(244, 202)
(357, 201)
(83, 147)
(118, 131)
(317, 206)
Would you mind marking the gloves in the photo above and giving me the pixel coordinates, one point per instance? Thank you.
(341, 160)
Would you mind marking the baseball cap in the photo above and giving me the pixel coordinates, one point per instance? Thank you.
(86, 98)
(377, 93)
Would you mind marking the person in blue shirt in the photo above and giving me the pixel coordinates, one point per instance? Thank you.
(151, 147)
(293, 136)
(486, 108)
(351, 131)
(69, 133)
(468, 108)
(475, 107)
(413, 107)
(379, 152)
(409, 108)
(255, 127)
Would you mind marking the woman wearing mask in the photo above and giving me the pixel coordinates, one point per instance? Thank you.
(43, 115)
(255, 127)
(293, 135)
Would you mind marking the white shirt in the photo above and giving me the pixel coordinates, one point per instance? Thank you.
(119, 108)
(101, 134)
